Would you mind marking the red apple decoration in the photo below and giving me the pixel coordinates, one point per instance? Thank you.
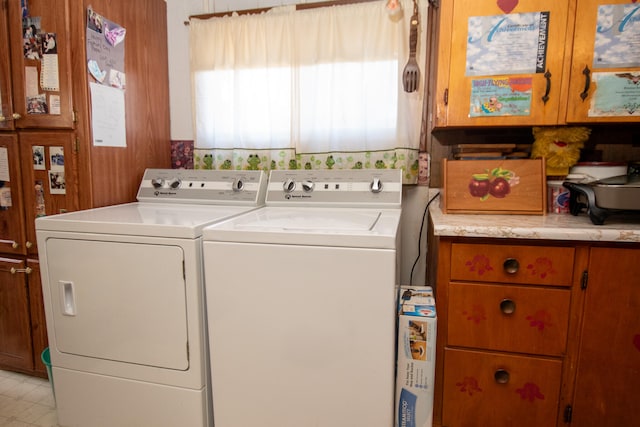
(499, 188)
(479, 187)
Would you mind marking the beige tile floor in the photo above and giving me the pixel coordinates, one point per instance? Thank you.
(26, 401)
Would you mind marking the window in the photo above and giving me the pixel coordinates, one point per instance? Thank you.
(316, 88)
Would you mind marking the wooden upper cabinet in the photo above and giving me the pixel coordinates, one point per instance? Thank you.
(464, 93)
(41, 76)
(6, 105)
(601, 78)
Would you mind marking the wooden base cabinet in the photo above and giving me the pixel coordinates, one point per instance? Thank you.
(23, 331)
(536, 333)
(607, 388)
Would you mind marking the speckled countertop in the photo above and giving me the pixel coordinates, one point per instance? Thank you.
(617, 228)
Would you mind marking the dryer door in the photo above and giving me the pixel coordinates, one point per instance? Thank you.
(119, 301)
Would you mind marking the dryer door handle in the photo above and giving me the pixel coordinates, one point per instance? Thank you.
(68, 298)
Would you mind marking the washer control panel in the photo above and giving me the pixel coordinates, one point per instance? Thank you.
(381, 188)
(203, 186)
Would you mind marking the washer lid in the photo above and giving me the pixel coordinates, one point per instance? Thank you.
(142, 219)
(352, 227)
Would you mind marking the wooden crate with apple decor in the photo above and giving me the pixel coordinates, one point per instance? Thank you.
(494, 187)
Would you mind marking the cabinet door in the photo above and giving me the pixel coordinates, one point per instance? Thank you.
(605, 81)
(41, 63)
(52, 186)
(15, 336)
(38, 320)
(608, 374)
(6, 106)
(464, 92)
(12, 229)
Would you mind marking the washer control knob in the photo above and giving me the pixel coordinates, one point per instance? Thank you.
(238, 185)
(175, 183)
(376, 185)
(289, 185)
(308, 186)
(157, 182)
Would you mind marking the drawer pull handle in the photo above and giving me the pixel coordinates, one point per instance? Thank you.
(511, 265)
(507, 306)
(501, 376)
(13, 243)
(27, 270)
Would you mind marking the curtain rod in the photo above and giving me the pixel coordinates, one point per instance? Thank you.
(300, 6)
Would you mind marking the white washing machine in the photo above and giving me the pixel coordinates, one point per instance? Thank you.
(124, 300)
(301, 303)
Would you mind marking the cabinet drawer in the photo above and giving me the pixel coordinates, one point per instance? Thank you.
(544, 265)
(499, 390)
(510, 318)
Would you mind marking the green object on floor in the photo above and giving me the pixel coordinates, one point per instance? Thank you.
(46, 359)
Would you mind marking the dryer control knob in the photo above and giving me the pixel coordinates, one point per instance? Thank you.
(289, 185)
(157, 182)
(376, 185)
(175, 183)
(308, 186)
(238, 185)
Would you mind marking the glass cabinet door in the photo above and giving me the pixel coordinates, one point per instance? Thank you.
(12, 229)
(41, 63)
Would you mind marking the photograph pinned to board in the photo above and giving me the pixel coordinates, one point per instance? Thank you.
(105, 50)
(37, 152)
(37, 104)
(56, 160)
(57, 184)
(31, 37)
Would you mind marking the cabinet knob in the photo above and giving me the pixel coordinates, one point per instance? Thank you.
(511, 265)
(14, 116)
(507, 306)
(28, 245)
(501, 376)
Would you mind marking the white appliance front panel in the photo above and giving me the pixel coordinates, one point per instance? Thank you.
(119, 301)
(301, 335)
(344, 227)
(92, 400)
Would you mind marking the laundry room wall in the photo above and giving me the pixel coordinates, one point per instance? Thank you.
(178, 12)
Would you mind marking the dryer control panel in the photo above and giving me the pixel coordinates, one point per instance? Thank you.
(203, 186)
(335, 188)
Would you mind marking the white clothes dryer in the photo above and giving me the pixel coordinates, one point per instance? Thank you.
(301, 300)
(124, 300)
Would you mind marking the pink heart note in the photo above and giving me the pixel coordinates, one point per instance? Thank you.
(507, 5)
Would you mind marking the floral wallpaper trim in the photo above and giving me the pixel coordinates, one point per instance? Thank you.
(281, 159)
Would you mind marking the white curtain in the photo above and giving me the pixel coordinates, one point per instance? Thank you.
(315, 88)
